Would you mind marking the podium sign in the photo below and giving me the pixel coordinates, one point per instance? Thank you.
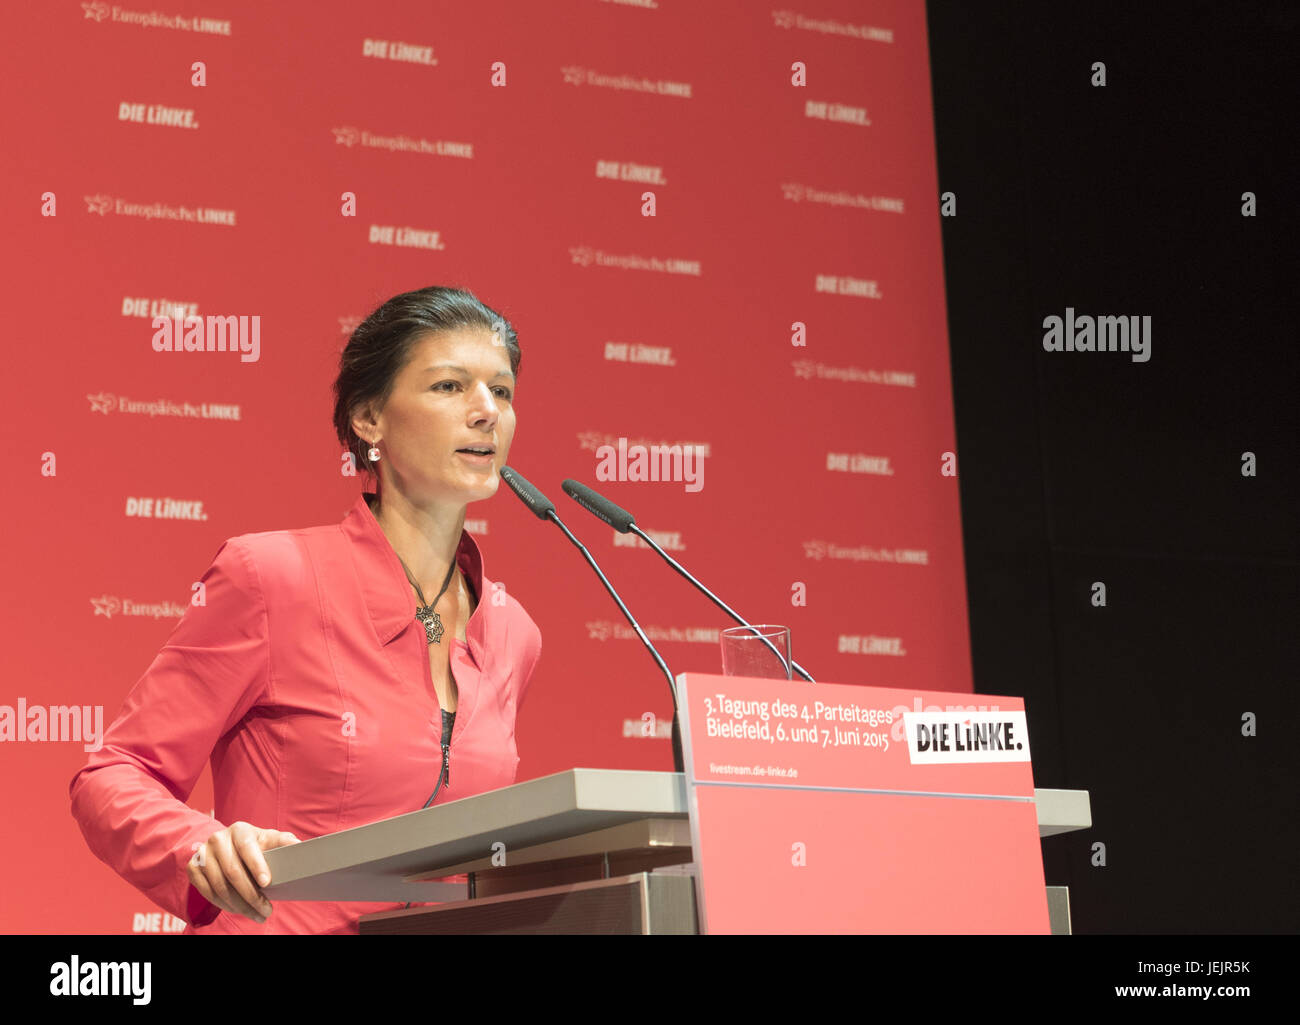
(848, 809)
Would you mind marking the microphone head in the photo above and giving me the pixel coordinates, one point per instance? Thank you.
(600, 506)
(541, 506)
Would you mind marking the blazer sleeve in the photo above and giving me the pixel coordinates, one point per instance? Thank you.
(129, 798)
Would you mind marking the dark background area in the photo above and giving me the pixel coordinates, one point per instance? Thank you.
(1078, 467)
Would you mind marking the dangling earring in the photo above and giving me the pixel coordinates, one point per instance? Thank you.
(374, 453)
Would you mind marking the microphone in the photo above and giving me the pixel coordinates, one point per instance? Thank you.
(543, 508)
(622, 521)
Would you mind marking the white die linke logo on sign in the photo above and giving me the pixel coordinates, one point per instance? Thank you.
(957, 736)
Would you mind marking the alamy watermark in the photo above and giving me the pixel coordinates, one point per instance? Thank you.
(59, 724)
(1098, 334)
(211, 334)
(625, 462)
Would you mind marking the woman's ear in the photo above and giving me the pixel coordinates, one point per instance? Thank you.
(364, 422)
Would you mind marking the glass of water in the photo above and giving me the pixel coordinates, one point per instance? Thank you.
(759, 650)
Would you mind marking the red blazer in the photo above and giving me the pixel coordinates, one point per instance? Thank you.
(305, 679)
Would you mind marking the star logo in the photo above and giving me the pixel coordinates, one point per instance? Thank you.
(814, 550)
(106, 606)
(598, 630)
(573, 75)
(346, 136)
(793, 192)
(783, 19)
(101, 403)
(98, 203)
(97, 11)
(803, 368)
(582, 255)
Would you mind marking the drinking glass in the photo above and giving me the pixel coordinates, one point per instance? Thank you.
(759, 650)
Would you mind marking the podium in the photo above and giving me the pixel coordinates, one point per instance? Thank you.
(584, 851)
(803, 808)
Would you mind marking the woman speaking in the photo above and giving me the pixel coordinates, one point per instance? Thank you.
(341, 674)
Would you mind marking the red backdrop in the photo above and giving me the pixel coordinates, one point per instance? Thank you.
(777, 298)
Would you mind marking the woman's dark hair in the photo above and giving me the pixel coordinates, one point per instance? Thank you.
(381, 345)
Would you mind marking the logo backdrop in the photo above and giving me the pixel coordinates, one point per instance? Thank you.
(712, 224)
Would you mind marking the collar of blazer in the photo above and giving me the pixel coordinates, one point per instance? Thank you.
(387, 592)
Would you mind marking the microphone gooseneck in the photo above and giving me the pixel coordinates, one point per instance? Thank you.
(544, 508)
(623, 521)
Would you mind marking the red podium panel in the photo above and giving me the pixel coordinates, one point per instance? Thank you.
(837, 808)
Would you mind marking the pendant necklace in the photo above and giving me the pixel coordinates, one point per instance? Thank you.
(424, 613)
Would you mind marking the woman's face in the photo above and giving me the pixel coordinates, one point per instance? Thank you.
(455, 392)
